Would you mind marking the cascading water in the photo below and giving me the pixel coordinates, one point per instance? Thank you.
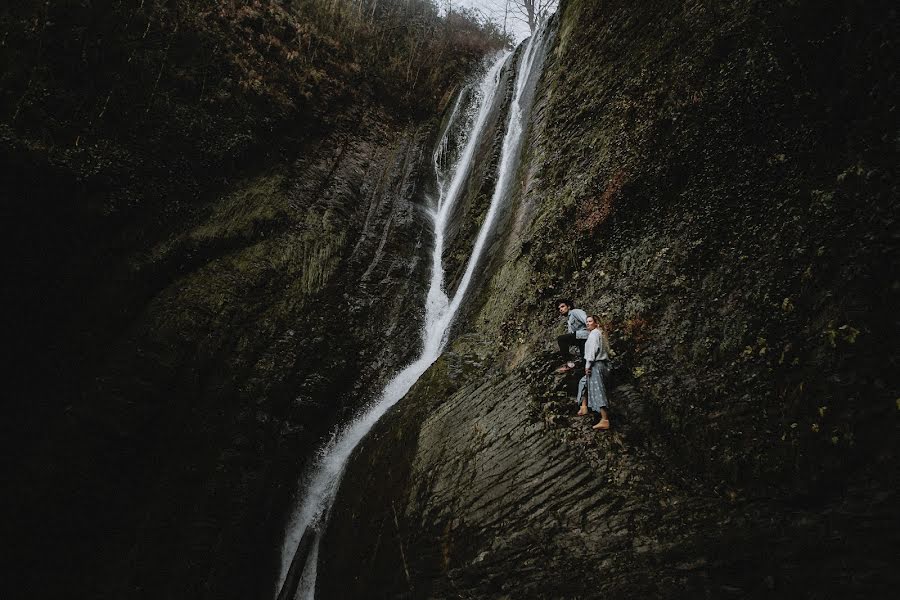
(309, 522)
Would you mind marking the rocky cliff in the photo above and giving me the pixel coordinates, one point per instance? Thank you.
(214, 229)
(717, 184)
(217, 253)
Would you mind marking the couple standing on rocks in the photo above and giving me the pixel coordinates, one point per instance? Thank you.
(584, 331)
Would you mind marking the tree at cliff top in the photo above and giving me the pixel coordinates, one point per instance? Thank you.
(530, 11)
(80, 69)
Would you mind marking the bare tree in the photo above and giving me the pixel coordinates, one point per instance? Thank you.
(529, 11)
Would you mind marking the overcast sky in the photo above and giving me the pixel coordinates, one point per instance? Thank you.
(494, 9)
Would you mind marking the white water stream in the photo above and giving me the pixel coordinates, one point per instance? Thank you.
(320, 485)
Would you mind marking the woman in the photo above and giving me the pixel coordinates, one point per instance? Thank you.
(590, 389)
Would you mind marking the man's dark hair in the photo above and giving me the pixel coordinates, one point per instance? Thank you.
(567, 302)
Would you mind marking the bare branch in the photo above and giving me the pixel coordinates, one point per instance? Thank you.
(531, 12)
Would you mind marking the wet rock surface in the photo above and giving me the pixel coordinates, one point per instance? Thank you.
(491, 486)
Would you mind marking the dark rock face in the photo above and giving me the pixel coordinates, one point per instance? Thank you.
(266, 316)
(215, 241)
(716, 183)
(206, 408)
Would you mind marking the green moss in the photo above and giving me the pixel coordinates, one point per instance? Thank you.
(259, 202)
(320, 242)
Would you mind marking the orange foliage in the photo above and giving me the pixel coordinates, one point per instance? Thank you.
(635, 329)
(592, 215)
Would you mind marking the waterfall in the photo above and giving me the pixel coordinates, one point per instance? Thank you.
(300, 550)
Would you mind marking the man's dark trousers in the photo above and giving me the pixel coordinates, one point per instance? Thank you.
(567, 340)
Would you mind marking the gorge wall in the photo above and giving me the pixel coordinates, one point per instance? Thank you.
(214, 238)
(717, 183)
(217, 252)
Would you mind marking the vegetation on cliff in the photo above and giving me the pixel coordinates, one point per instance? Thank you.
(729, 210)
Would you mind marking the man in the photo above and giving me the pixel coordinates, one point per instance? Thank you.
(576, 323)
